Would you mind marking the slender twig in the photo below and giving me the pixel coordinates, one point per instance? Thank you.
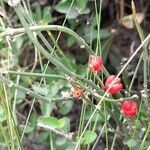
(145, 137)
(100, 133)
(5, 136)
(36, 74)
(48, 99)
(30, 92)
(15, 98)
(145, 53)
(11, 31)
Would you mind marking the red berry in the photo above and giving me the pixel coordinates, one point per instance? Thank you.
(114, 87)
(129, 108)
(95, 63)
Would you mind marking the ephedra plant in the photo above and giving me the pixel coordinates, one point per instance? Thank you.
(62, 104)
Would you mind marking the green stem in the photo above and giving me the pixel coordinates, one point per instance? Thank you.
(114, 139)
(115, 136)
(48, 99)
(81, 115)
(37, 74)
(47, 44)
(48, 27)
(9, 119)
(100, 133)
(32, 93)
(145, 52)
(136, 121)
(101, 100)
(81, 41)
(5, 136)
(145, 137)
(15, 99)
(51, 141)
(46, 54)
(82, 118)
(106, 132)
(135, 72)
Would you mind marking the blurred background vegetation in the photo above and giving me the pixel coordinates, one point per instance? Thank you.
(109, 30)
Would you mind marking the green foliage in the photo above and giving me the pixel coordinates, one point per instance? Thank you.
(89, 137)
(66, 107)
(132, 143)
(54, 120)
(78, 8)
(49, 122)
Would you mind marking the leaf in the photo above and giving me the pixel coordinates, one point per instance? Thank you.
(104, 33)
(55, 87)
(63, 6)
(66, 127)
(106, 48)
(49, 122)
(29, 129)
(77, 8)
(70, 146)
(42, 89)
(128, 22)
(66, 107)
(91, 34)
(61, 123)
(38, 13)
(32, 124)
(89, 137)
(18, 42)
(87, 34)
(70, 41)
(20, 97)
(81, 4)
(131, 143)
(60, 141)
(46, 108)
(81, 70)
(67, 61)
(47, 17)
(42, 137)
(33, 120)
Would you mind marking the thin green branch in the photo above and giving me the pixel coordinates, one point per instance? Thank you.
(11, 31)
(37, 74)
(48, 99)
(145, 137)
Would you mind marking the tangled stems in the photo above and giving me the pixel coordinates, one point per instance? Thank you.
(129, 60)
(57, 63)
(81, 41)
(48, 99)
(145, 137)
(47, 54)
(83, 44)
(44, 52)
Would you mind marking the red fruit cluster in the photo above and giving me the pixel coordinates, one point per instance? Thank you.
(129, 108)
(113, 84)
(95, 63)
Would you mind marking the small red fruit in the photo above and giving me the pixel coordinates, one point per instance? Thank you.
(114, 87)
(129, 108)
(95, 63)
